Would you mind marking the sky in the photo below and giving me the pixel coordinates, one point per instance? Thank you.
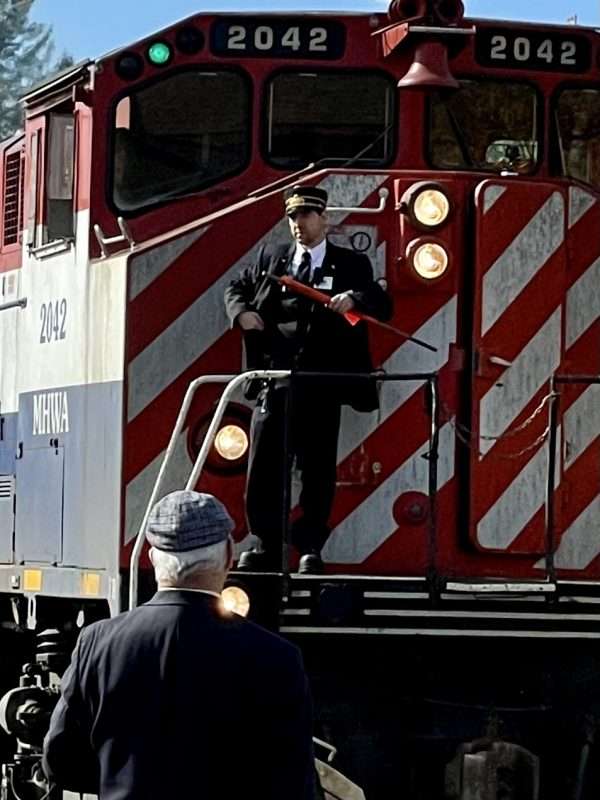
(90, 28)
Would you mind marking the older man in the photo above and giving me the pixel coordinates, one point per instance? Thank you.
(179, 698)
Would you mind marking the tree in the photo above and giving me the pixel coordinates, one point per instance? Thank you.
(26, 50)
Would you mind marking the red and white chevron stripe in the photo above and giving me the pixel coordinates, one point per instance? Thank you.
(578, 534)
(520, 265)
(538, 305)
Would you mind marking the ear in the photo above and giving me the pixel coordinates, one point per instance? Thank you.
(229, 559)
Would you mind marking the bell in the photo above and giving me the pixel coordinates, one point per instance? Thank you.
(429, 68)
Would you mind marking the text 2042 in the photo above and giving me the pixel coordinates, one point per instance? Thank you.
(53, 321)
(533, 50)
(277, 38)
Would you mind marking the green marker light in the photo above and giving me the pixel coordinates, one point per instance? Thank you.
(159, 54)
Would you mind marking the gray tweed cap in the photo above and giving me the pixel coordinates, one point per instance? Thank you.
(186, 520)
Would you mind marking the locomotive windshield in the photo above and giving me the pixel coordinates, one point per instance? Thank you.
(331, 117)
(179, 135)
(485, 125)
(578, 125)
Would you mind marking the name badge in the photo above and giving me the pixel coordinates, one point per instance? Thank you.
(326, 282)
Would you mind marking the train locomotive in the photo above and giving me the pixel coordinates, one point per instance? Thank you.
(453, 641)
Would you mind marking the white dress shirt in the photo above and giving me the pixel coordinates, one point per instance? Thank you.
(317, 255)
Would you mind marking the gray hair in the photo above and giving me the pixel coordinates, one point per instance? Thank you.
(173, 567)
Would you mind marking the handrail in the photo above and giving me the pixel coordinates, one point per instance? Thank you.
(20, 303)
(233, 381)
(125, 236)
(250, 199)
(383, 196)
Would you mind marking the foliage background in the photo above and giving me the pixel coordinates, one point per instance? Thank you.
(27, 56)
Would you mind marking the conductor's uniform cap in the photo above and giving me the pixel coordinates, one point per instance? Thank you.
(186, 520)
(305, 198)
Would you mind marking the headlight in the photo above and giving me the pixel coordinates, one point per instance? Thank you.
(229, 452)
(231, 442)
(236, 600)
(426, 204)
(431, 207)
(428, 259)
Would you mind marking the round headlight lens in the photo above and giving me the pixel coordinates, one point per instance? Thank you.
(430, 260)
(231, 442)
(431, 207)
(236, 600)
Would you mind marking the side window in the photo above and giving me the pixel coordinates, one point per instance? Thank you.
(59, 177)
(179, 135)
(330, 116)
(50, 192)
(578, 128)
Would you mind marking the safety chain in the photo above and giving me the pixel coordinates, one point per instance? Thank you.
(466, 436)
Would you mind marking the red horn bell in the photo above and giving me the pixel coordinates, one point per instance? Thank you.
(429, 69)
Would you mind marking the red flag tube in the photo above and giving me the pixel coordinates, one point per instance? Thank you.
(350, 316)
(319, 297)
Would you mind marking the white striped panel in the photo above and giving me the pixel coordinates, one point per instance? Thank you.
(148, 266)
(490, 195)
(522, 260)
(580, 543)
(505, 520)
(139, 489)
(581, 424)
(204, 321)
(372, 522)
(583, 303)
(534, 365)
(440, 331)
(579, 202)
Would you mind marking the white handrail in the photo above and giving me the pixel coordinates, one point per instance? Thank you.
(233, 382)
(383, 196)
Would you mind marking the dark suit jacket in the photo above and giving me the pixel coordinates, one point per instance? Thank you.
(329, 343)
(178, 699)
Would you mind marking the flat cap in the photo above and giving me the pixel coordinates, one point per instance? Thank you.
(185, 520)
(310, 198)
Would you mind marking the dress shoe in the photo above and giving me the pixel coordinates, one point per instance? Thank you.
(256, 560)
(311, 564)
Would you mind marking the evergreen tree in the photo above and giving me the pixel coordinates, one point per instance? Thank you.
(25, 58)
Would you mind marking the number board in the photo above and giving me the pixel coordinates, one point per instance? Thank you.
(278, 38)
(535, 50)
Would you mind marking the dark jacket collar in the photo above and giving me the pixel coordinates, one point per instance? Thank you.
(180, 597)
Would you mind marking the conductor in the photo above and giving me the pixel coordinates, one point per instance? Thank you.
(285, 330)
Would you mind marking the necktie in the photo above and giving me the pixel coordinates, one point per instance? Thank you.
(303, 274)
